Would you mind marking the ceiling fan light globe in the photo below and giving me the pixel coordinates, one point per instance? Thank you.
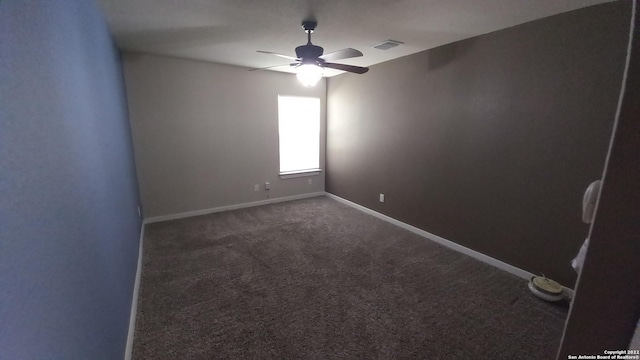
(309, 74)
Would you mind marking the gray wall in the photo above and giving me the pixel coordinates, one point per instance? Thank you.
(205, 134)
(69, 227)
(488, 142)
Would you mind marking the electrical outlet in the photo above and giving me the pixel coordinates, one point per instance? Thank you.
(381, 198)
(310, 181)
(267, 185)
(256, 187)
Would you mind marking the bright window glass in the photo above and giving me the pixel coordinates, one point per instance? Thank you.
(299, 129)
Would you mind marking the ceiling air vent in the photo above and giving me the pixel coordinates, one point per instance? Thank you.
(388, 44)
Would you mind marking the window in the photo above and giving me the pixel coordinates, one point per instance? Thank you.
(299, 129)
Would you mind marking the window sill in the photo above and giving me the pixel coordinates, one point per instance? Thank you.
(299, 173)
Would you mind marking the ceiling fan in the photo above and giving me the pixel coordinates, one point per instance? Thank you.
(310, 61)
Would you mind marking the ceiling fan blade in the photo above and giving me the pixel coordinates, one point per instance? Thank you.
(341, 54)
(276, 54)
(274, 66)
(348, 68)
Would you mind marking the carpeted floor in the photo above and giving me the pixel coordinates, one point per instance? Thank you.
(316, 279)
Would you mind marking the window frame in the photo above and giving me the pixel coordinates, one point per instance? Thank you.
(301, 172)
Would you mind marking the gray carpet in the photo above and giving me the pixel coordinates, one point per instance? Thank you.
(316, 279)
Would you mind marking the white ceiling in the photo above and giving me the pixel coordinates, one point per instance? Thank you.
(230, 31)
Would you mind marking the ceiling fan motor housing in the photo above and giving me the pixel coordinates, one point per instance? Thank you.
(309, 52)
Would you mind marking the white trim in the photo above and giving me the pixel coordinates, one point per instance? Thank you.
(442, 241)
(128, 353)
(568, 292)
(300, 173)
(229, 207)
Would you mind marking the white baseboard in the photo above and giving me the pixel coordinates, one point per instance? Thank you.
(448, 243)
(229, 207)
(134, 301)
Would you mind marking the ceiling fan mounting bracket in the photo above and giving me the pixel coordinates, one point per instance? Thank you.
(309, 25)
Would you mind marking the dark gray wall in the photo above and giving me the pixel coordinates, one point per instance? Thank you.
(69, 227)
(488, 142)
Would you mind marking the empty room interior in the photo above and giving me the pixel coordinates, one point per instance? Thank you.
(319, 179)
